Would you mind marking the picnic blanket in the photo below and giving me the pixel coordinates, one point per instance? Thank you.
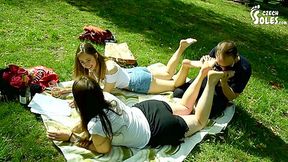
(163, 153)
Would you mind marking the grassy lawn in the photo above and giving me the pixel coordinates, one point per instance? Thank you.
(45, 32)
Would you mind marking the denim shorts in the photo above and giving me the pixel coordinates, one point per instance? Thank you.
(140, 79)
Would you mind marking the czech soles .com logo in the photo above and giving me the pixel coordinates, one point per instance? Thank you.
(265, 17)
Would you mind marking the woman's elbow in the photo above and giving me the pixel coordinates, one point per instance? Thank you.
(103, 150)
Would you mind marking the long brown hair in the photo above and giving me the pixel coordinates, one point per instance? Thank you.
(89, 49)
(90, 102)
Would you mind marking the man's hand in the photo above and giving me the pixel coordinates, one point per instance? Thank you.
(206, 58)
(227, 75)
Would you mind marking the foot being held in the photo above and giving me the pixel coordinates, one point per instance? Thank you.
(215, 76)
(205, 69)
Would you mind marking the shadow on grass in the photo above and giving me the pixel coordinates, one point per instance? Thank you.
(162, 22)
(166, 22)
(246, 133)
(266, 143)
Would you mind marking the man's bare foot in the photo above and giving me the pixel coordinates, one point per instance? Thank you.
(184, 43)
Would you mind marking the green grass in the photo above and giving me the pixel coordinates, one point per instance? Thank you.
(45, 33)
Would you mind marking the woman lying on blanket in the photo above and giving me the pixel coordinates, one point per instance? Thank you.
(152, 122)
(139, 79)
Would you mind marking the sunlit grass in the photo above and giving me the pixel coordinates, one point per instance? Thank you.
(46, 33)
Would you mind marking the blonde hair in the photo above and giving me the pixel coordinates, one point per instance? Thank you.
(226, 48)
(79, 70)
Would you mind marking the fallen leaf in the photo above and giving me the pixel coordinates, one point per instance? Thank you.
(276, 85)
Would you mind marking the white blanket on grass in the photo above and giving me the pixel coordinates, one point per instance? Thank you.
(163, 153)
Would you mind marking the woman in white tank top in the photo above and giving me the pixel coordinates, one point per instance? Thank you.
(140, 79)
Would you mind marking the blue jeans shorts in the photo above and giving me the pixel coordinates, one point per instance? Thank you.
(140, 79)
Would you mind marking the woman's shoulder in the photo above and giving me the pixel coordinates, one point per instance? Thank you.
(112, 67)
(109, 97)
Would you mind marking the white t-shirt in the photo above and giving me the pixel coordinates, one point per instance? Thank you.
(130, 129)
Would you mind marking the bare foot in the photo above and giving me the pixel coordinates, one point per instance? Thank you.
(184, 43)
(192, 63)
(205, 69)
(188, 63)
(214, 76)
(211, 62)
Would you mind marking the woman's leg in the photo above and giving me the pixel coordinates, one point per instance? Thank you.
(161, 85)
(181, 76)
(173, 62)
(199, 120)
(187, 102)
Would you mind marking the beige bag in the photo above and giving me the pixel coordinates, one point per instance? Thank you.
(121, 54)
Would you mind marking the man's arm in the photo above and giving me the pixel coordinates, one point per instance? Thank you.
(227, 90)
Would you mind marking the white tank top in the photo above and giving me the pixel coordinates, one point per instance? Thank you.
(120, 78)
(130, 129)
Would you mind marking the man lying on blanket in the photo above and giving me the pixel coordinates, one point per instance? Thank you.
(108, 121)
